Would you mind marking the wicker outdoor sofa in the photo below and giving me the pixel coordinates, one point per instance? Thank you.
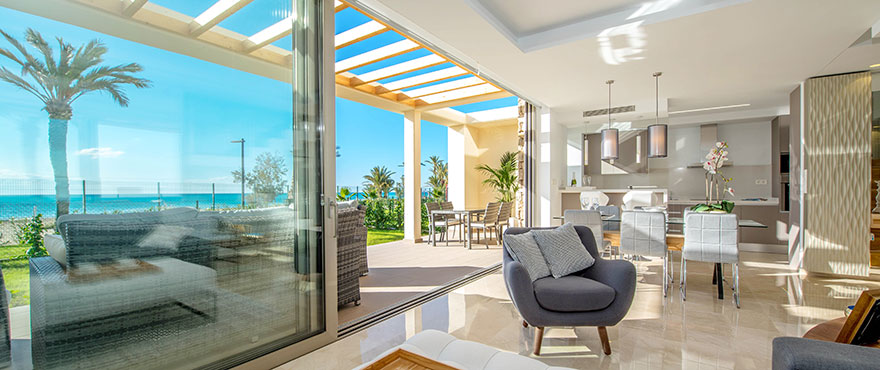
(351, 252)
(148, 272)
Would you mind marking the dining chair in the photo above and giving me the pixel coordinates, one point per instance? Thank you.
(711, 237)
(637, 198)
(443, 222)
(448, 206)
(593, 220)
(612, 211)
(488, 222)
(504, 218)
(644, 234)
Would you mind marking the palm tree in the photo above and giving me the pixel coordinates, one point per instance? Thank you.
(58, 82)
(380, 180)
(344, 194)
(503, 178)
(438, 180)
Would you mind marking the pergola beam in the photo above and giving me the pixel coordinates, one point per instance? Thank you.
(404, 67)
(426, 78)
(132, 7)
(376, 55)
(269, 35)
(359, 33)
(458, 94)
(466, 100)
(446, 86)
(338, 5)
(221, 10)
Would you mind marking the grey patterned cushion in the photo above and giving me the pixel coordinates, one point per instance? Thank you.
(563, 250)
(525, 250)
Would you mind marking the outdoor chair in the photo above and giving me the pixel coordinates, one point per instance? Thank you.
(504, 217)
(600, 295)
(488, 222)
(448, 206)
(444, 222)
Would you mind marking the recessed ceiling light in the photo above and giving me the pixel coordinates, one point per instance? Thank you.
(875, 65)
(711, 108)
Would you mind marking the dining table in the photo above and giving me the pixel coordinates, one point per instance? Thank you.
(465, 215)
(675, 242)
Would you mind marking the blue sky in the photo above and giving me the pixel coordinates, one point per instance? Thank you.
(178, 131)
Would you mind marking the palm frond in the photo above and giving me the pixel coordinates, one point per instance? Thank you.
(16, 80)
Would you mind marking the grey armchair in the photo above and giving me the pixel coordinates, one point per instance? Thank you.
(644, 234)
(711, 237)
(599, 296)
(790, 353)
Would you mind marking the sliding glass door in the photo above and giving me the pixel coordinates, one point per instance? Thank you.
(162, 183)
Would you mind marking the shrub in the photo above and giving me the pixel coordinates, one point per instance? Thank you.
(30, 234)
(387, 214)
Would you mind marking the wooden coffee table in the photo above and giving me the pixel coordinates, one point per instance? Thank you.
(404, 360)
(828, 331)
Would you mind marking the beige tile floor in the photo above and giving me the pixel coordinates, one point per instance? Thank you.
(401, 270)
(701, 333)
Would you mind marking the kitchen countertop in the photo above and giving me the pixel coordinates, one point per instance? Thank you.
(579, 189)
(738, 202)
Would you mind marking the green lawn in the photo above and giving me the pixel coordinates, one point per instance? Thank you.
(383, 236)
(15, 275)
(11, 251)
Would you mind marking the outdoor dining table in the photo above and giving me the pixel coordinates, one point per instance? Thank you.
(464, 215)
(675, 242)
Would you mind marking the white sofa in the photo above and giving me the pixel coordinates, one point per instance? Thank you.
(465, 355)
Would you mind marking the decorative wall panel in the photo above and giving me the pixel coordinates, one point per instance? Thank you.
(837, 151)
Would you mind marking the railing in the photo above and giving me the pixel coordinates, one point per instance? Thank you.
(25, 198)
(358, 191)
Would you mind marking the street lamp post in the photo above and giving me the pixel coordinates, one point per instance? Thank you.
(242, 168)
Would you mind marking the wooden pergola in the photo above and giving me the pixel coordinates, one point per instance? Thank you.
(424, 91)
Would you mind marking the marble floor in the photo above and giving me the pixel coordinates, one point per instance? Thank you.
(403, 269)
(658, 332)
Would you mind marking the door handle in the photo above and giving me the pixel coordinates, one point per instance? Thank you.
(335, 215)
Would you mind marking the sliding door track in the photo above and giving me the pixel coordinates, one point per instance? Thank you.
(374, 318)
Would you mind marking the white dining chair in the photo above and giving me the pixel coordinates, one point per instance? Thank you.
(711, 237)
(593, 220)
(643, 233)
(637, 198)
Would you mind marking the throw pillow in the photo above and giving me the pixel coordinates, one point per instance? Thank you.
(525, 250)
(55, 246)
(165, 237)
(563, 250)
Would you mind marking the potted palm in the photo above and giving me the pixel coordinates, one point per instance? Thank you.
(502, 178)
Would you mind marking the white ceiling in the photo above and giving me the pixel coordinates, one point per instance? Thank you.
(723, 53)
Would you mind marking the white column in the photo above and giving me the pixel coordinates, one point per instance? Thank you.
(455, 152)
(549, 169)
(412, 157)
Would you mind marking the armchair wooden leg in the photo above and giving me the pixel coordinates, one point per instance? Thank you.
(539, 337)
(603, 335)
(525, 324)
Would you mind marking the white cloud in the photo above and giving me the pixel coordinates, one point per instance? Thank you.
(100, 152)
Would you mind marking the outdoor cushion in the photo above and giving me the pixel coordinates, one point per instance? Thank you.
(563, 250)
(525, 250)
(573, 294)
(56, 248)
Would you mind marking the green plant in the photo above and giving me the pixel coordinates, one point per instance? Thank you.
(724, 205)
(30, 234)
(379, 180)
(502, 178)
(439, 178)
(58, 81)
(344, 194)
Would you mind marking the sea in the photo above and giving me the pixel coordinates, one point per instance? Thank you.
(21, 206)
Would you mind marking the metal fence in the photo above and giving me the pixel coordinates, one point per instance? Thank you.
(25, 198)
(358, 191)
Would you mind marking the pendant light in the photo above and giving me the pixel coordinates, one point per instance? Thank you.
(609, 135)
(657, 138)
